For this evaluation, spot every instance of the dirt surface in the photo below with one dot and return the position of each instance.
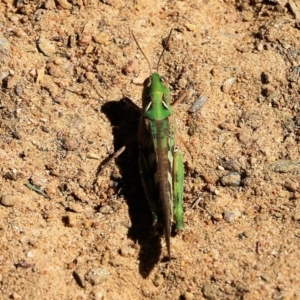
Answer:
(65, 67)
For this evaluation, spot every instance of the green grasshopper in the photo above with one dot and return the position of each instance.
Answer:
(160, 164)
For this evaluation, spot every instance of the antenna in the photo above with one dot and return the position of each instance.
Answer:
(142, 52)
(162, 53)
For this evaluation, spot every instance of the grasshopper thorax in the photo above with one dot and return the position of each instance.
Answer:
(156, 98)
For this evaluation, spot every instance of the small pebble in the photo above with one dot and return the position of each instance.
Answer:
(182, 82)
(80, 194)
(130, 67)
(18, 90)
(247, 16)
(215, 72)
(70, 145)
(89, 49)
(210, 291)
(8, 200)
(138, 80)
(70, 266)
(244, 135)
(51, 189)
(217, 217)
(188, 296)
(231, 179)
(96, 276)
(106, 209)
(260, 47)
(291, 186)
(285, 166)
(90, 76)
(191, 27)
(99, 294)
(84, 40)
(75, 207)
(46, 47)
(101, 38)
(197, 104)
(231, 216)
(227, 85)
(127, 251)
(72, 220)
(64, 4)
(32, 253)
(38, 180)
(16, 296)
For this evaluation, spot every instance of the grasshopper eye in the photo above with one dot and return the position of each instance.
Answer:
(164, 81)
(147, 82)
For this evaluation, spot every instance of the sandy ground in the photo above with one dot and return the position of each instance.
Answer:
(65, 67)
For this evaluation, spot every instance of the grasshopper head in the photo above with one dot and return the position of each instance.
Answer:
(156, 98)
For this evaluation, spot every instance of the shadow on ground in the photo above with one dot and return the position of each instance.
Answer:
(124, 120)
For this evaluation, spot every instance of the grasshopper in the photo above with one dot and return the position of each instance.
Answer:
(160, 163)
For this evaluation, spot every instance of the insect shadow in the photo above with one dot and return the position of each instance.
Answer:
(124, 120)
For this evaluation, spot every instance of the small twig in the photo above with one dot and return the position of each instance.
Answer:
(196, 202)
(107, 161)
